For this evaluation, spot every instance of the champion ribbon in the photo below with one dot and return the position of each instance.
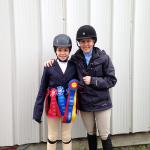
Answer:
(61, 99)
(70, 110)
(53, 111)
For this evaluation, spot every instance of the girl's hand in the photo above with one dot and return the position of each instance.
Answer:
(49, 63)
(87, 80)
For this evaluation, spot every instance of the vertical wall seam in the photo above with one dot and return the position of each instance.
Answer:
(40, 38)
(131, 59)
(111, 44)
(64, 19)
(40, 66)
(90, 12)
(111, 29)
(13, 65)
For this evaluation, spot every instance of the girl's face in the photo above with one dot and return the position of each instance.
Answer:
(62, 53)
(86, 45)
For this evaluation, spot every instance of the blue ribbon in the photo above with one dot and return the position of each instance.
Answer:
(71, 102)
(61, 99)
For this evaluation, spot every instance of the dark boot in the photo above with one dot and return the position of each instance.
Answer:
(92, 141)
(107, 144)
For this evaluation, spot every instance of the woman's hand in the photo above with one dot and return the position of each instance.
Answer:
(49, 63)
(87, 80)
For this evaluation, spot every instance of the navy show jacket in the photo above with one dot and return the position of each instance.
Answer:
(51, 78)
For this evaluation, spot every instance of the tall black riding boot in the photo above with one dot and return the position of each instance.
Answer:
(92, 141)
(107, 144)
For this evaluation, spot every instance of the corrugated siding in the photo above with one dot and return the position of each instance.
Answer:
(27, 28)
(26, 18)
(121, 55)
(6, 102)
(141, 69)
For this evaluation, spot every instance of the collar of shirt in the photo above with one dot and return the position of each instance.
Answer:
(88, 56)
(63, 65)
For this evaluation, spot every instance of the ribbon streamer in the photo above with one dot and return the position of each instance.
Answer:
(54, 111)
(61, 99)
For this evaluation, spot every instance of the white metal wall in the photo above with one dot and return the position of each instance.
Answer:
(27, 28)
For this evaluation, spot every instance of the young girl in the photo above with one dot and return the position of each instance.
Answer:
(60, 104)
(96, 76)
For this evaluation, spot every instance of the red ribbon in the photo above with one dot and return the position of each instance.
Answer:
(52, 111)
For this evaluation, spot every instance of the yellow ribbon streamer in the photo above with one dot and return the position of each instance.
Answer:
(74, 108)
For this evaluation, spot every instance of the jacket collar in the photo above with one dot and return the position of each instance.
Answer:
(59, 71)
(96, 53)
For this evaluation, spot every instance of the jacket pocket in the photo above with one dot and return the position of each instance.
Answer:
(97, 94)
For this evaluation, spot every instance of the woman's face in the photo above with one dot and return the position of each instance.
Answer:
(86, 45)
(62, 53)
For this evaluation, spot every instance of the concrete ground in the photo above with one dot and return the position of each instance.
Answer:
(81, 144)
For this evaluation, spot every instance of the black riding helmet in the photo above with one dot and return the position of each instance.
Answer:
(85, 32)
(62, 40)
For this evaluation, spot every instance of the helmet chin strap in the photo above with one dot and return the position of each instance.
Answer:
(77, 44)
